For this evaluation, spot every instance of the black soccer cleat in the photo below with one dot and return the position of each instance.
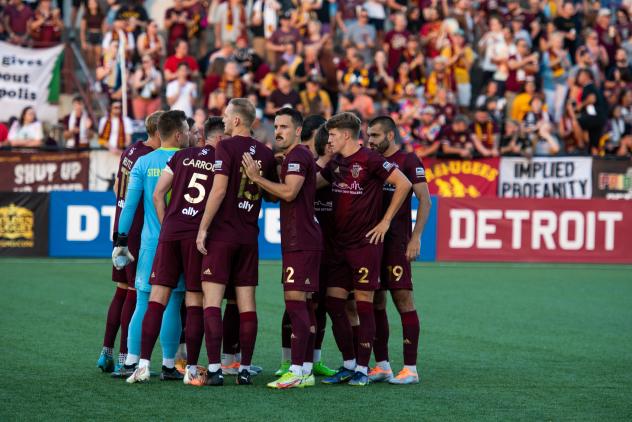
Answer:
(170, 374)
(244, 377)
(215, 379)
(124, 371)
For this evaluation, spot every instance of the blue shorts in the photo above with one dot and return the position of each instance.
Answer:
(143, 271)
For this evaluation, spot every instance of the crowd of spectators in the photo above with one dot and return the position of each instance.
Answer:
(466, 78)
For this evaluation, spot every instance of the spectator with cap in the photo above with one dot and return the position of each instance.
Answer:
(77, 125)
(283, 37)
(180, 56)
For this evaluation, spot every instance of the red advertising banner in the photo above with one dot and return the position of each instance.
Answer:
(534, 230)
(456, 178)
(38, 171)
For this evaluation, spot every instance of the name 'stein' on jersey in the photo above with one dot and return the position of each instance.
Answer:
(237, 218)
(129, 157)
(193, 173)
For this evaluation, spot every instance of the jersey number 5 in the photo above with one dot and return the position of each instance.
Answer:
(193, 184)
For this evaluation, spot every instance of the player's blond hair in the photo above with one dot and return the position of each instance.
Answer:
(245, 109)
(151, 122)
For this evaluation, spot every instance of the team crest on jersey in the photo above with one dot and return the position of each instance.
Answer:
(295, 167)
(355, 170)
(203, 152)
(252, 150)
(419, 171)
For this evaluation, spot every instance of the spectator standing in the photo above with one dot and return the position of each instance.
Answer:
(283, 37)
(460, 58)
(77, 126)
(395, 42)
(263, 23)
(115, 130)
(230, 22)
(181, 93)
(46, 25)
(91, 33)
(150, 42)
(180, 56)
(361, 35)
(16, 20)
(556, 63)
(283, 96)
(590, 112)
(146, 87)
(26, 131)
(177, 23)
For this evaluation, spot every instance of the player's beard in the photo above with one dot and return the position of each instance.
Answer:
(382, 146)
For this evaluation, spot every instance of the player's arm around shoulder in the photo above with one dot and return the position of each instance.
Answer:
(287, 191)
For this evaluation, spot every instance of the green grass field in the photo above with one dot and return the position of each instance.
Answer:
(499, 341)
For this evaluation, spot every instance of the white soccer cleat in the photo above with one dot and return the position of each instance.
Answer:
(139, 375)
(405, 377)
(378, 374)
(198, 380)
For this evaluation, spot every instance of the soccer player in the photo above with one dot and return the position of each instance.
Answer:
(311, 126)
(230, 221)
(357, 175)
(124, 300)
(400, 247)
(173, 131)
(301, 240)
(189, 176)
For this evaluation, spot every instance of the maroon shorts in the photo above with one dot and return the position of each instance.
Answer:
(175, 257)
(127, 274)
(231, 263)
(300, 271)
(359, 269)
(395, 272)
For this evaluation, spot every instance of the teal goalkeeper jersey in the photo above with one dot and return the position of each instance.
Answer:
(144, 177)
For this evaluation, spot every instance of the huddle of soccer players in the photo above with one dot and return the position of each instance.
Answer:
(346, 238)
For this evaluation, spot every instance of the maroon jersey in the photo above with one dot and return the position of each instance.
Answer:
(192, 170)
(413, 169)
(299, 228)
(356, 184)
(129, 157)
(324, 210)
(237, 218)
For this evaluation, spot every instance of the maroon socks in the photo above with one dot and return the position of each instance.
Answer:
(410, 331)
(380, 346)
(152, 321)
(247, 336)
(194, 333)
(213, 333)
(366, 332)
(231, 329)
(341, 326)
(114, 317)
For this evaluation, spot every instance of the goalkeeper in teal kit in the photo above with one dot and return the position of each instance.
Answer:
(173, 130)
